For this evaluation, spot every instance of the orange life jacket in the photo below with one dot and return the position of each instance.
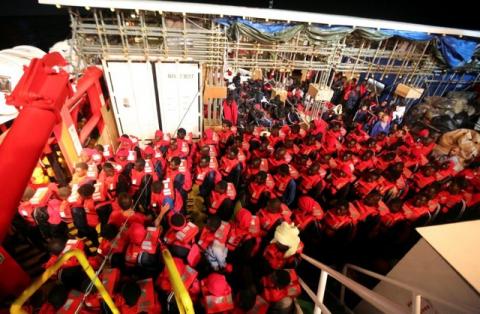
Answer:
(220, 235)
(216, 199)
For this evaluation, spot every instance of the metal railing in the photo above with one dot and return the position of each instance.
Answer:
(375, 299)
(182, 297)
(417, 294)
(16, 307)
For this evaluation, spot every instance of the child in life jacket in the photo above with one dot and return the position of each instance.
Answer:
(221, 200)
(285, 248)
(280, 288)
(216, 294)
(285, 185)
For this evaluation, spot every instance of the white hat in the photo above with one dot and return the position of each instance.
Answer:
(287, 234)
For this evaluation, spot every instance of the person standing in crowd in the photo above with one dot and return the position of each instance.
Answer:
(230, 110)
(381, 126)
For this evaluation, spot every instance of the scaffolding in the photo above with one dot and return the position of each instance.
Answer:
(156, 36)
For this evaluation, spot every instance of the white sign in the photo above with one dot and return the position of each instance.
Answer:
(178, 92)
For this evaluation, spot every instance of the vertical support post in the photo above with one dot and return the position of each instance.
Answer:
(322, 284)
(416, 303)
(342, 288)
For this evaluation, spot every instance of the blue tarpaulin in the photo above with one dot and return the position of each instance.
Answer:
(456, 52)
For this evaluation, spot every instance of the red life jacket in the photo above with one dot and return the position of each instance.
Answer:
(116, 246)
(227, 165)
(339, 182)
(472, 176)
(41, 196)
(216, 304)
(147, 302)
(365, 164)
(238, 233)
(216, 199)
(273, 294)
(172, 174)
(422, 181)
(367, 211)
(276, 258)
(157, 200)
(70, 245)
(413, 213)
(273, 163)
(202, 173)
(74, 299)
(448, 200)
(336, 222)
(109, 185)
(445, 173)
(257, 190)
(390, 219)
(281, 183)
(136, 179)
(25, 209)
(309, 181)
(184, 236)
(149, 245)
(184, 147)
(268, 219)
(187, 273)
(363, 187)
(308, 211)
(220, 235)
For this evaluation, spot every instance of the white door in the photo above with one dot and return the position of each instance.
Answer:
(131, 85)
(179, 96)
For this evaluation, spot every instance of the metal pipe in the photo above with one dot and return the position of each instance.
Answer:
(312, 296)
(322, 284)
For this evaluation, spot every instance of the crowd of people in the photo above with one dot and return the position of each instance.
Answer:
(237, 207)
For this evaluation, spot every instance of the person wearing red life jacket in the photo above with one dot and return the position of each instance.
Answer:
(275, 137)
(161, 141)
(137, 297)
(244, 237)
(310, 179)
(206, 176)
(285, 185)
(25, 208)
(189, 277)
(279, 158)
(254, 166)
(154, 162)
(416, 210)
(368, 183)
(180, 238)
(291, 148)
(109, 181)
(386, 159)
(398, 175)
(273, 215)
(84, 214)
(179, 178)
(230, 167)
(80, 175)
(174, 150)
(216, 294)
(139, 183)
(285, 248)
(113, 244)
(162, 196)
(366, 162)
(122, 212)
(382, 139)
(297, 133)
(142, 250)
(210, 138)
(371, 144)
(248, 301)
(338, 221)
(260, 190)
(309, 212)
(221, 200)
(280, 288)
(226, 135)
(184, 141)
(310, 147)
(358, 134)
(424, 177)
(394, 216)
(318, 126)
(230, 110)
(370, 209)
(261, 150)
(121, 164)
(214, 230)
(346, 161)
(449, 198)
(445, 171)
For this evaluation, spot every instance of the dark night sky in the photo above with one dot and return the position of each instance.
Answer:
(27, 22)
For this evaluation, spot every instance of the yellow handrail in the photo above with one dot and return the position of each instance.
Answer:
(16, 307)
(182, 297)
